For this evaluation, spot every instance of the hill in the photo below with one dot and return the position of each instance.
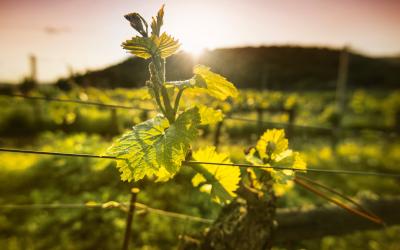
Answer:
(274, 67)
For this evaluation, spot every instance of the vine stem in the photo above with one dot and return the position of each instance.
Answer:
(177, 100)
(158, 100)
(160, 68)
(167, 105)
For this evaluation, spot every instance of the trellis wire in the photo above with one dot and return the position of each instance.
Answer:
(280, 124)
(99, 104)
(105, 205)
(316, 170)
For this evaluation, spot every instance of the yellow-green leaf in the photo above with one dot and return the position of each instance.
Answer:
(140, 46)
(218, 180)
(214, 84)
(209, 115)
(156, 148)
(272, 143)
(272, 151)
(146, 47)
(166, 45)
(157, 22)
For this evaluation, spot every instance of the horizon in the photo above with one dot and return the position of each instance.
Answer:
(90, 40)
(195, 55)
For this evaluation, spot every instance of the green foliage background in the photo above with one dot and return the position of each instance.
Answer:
(74, 128)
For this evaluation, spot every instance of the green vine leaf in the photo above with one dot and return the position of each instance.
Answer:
(156, 148)
(208, 82)
(272, 150)
(146, 47)
(140, 46)
(209, 116)
(272, 143)
(166, 45)
(157, 22)
(220, 182)
(213, 84)
(138, 23)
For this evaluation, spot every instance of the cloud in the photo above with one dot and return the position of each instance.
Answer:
(51, 30)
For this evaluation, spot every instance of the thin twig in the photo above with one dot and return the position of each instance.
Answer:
(333, 191)
(338, 203)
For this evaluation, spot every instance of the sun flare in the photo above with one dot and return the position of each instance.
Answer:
(192, 48)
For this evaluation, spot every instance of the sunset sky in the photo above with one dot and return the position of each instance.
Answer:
(86, 34)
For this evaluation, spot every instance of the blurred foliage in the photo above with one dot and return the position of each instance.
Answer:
(48, 179)
(64, 127)
(365, 110)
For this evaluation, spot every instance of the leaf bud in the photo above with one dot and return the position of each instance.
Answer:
(138, 23)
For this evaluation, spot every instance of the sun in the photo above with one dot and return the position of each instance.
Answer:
(193, 48)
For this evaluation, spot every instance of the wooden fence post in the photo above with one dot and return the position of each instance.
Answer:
(340, 94)
(114, 124)
(129, 218)
(292, 117)
(260, 113)
(217, 134)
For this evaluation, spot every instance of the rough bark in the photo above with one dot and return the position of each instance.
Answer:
(243, 225)
(246, 223)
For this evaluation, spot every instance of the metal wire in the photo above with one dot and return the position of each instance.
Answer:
(108, 205)
(51, 99)
(315, 170)
(48, 206)
(279, 124)
(99, 104)
(23, 151)
(236, 118)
